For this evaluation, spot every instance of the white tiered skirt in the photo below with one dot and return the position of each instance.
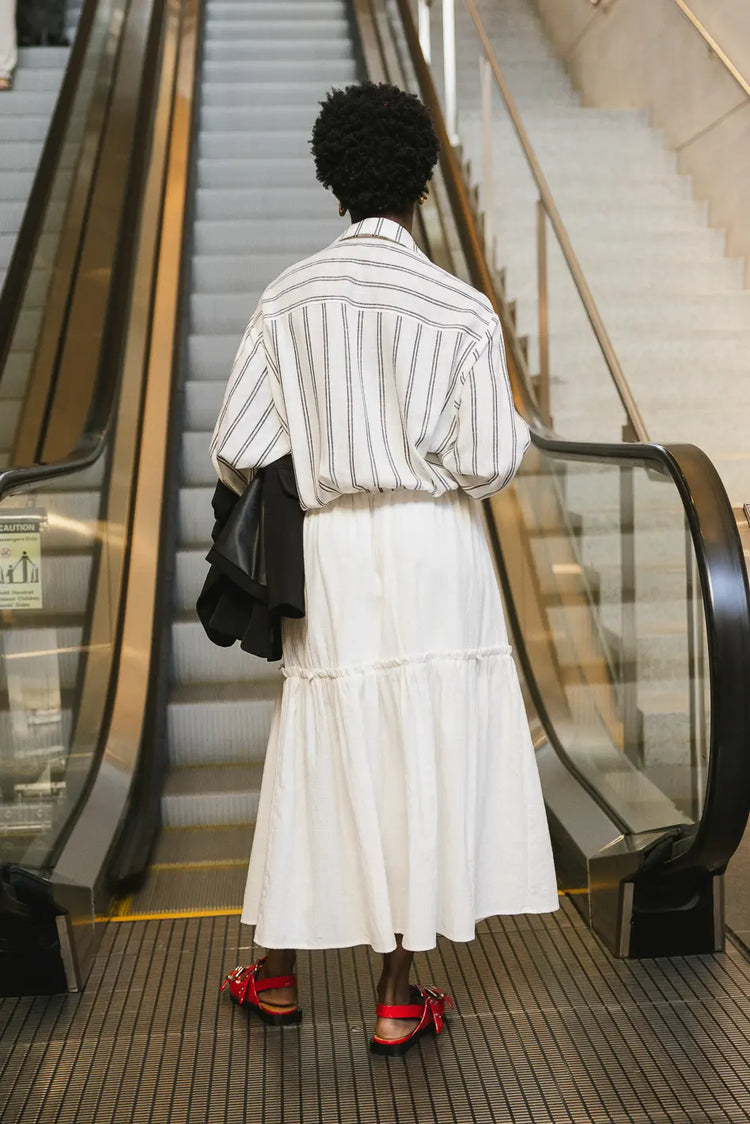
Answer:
(400, 792)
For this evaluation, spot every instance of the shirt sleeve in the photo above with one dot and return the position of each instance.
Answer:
(489, 436)
(252, 429)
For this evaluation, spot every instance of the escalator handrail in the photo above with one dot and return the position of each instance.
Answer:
(88, 450)
(13, 290)
(713, 530)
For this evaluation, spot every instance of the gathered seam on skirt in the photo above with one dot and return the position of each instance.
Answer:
(297, 672)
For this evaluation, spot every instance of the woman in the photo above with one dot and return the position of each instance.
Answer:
(400, 796)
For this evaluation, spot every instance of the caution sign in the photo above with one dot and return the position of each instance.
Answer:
(21, 560)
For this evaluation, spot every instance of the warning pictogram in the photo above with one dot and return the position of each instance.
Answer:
(21, 561)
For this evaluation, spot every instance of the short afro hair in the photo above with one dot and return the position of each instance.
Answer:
(375, 147)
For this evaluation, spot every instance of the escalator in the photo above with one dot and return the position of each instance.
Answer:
(131, 752)
(264, 67)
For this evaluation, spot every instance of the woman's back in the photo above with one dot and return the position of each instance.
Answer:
(383, 372)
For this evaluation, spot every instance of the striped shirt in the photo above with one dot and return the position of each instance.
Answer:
(377, 370)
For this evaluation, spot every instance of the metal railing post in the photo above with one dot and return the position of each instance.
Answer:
(423, 13)
(488, 190)
(449, 69)
(543, 389)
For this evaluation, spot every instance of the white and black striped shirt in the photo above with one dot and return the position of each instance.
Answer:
(377, 370)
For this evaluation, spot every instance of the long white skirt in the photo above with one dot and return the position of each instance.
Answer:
(400, 792)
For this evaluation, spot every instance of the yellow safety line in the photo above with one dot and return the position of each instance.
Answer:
(202, 864)
(121, 913)
(171, 915)
(123, 905)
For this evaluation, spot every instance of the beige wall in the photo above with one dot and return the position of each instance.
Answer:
(645, 54)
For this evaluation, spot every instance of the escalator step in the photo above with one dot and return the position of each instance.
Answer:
(196, 660)
(258, 235)
(185, 891)
(202, 795)
(195, 845)
(210, 723)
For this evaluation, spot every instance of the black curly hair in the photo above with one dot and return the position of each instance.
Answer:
(375, 147)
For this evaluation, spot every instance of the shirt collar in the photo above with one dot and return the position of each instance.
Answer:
(376, 227)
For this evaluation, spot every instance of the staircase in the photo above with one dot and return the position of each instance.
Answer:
(679, 318)
(671, 300)
(257, 208)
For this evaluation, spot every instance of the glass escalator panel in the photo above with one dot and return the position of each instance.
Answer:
(32, 316)
(604, 579)
(58, 559)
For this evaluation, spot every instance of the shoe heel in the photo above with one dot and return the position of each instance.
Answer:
(287, 1018)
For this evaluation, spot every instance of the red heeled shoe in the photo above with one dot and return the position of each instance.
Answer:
(428, 1006)
(244, 985)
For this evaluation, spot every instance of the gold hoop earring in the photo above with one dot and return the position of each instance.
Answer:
(342, 210)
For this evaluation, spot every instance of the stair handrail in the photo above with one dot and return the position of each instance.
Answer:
(721, 54)
(636, 429)
(713, 45)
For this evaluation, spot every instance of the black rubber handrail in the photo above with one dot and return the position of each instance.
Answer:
(22, 258)
(713, 530)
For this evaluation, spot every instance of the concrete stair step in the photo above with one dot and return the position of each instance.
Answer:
(667, 315)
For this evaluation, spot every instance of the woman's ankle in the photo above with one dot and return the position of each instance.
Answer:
(393, 993)
(278, 962)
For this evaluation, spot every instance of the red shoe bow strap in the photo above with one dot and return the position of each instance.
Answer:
(242, 980)
(430, 1009)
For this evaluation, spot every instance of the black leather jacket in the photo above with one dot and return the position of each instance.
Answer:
(257, 569)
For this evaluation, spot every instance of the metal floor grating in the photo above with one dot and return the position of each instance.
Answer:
(547, 1028)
